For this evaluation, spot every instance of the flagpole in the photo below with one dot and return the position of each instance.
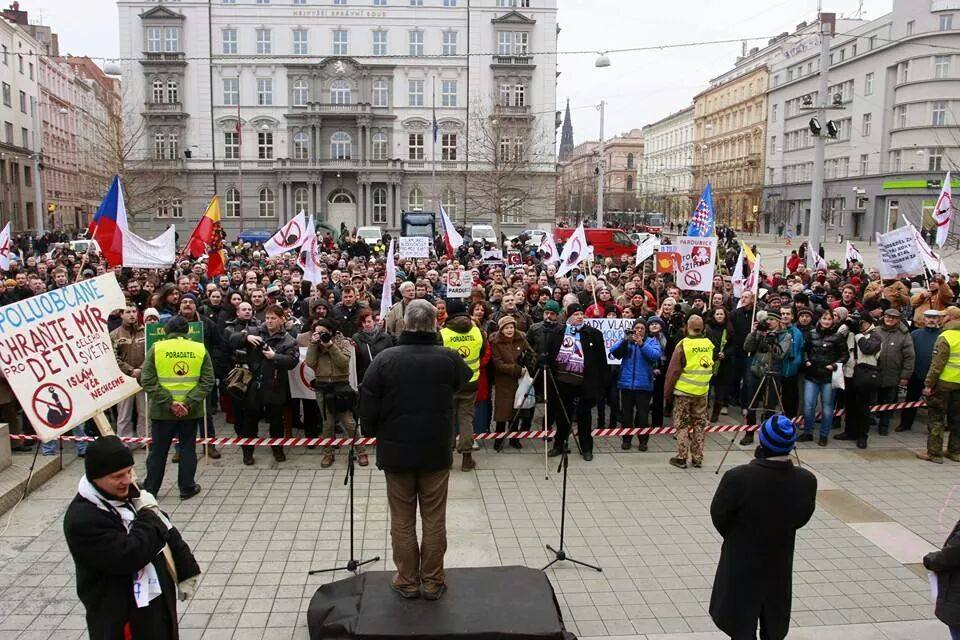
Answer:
(433, 147)
(239, 165)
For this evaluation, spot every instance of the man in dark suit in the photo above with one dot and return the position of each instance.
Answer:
(579, 362)
(758, 509)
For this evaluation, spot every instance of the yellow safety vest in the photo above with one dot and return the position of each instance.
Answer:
(468, 345)
(695, 378)
(951, 370)
(178, 363)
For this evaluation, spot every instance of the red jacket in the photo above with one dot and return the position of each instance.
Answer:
(483, 382)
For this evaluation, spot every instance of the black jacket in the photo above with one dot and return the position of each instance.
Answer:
(346, 318)
(946, 564)
(368, 346)
(822, 348)
(596, 371)
(740, 318)
(758, 508)
(539, 335)
(406, 401)
(270, 384)
(107, 556)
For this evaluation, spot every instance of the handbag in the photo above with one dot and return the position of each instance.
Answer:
(238, 380)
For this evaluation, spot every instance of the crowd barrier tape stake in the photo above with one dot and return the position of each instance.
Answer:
(511, 435)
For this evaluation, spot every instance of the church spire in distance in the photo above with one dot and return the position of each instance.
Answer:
(566, 137)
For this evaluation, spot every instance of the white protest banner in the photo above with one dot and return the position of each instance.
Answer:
(695, 269)
(301, 379)
(492, 256)
(56, 354)
(414, 247)
(459, 284)
(613, 330)
(899, 255)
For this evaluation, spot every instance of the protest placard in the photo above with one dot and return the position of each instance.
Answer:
(492, 256)
(459, 284)
(301, 379)
(667, 258)
(697, 262)
(899, 255)
(57, 356)
(414, 247)
(613, 330)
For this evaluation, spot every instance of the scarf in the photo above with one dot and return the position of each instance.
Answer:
(570, 356)
(146, 583)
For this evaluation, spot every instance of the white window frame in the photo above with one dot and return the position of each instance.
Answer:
(415, 147)
(341, 146)
(265, 145)
(415, 93)
(231, 92)
(379, 147)
(415, 41)
(232, 201)
(941, 66)
(341, 42)
(341, 92)
(866, 125)
(868, 84)
(231, 145)
(264, 41)
(448, 93)
(171, 39)
(381, 93)
(415, 199)
(266, 203)
(300, 42)
(380, 39)
(301, 92)
(301, 199)
(450, 43)
(379, 200)
(448, 147)
(154, 40)
(230, 41)
(301, 145)
(938, 113)
(264, 92)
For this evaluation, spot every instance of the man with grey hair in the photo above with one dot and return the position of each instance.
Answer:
(406, 402)
(394, 320)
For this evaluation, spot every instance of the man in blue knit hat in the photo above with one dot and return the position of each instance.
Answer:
(758, 509)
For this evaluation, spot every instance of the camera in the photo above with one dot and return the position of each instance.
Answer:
(326, 337)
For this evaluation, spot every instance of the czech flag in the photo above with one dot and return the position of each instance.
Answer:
(119, 245)
(451, 237)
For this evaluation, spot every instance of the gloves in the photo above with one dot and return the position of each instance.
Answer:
(145, 500)
(188, 587)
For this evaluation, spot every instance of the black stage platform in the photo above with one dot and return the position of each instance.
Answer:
(489, 603)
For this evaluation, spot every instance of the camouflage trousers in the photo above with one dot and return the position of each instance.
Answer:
(689, 418)
(940, 404)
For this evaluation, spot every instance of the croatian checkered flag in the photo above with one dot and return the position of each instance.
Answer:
(701, 223)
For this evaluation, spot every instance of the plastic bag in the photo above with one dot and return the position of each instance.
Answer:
(837, 381)
(526, 396)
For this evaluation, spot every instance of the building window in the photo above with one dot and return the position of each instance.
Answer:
(172, 142)
(340, 92)
(415, 93)
(449, 43)
(379, 42)
(301, 93)
(896, 160)
(173, 94)
(341, 146)
(935, 159)
(946, 22)
(229, 38)
(267, 203)
(630, 160)
(300, 199)
(941, 66)
(6, 55)
(379, 198)
(938, 113)
(416, 3)
(299, 42)
(157, 92)
(416, 42)
(513, 43)
(169, 208)
(265, 145)
(379, 146)
(868, 84)
(415, 199)
(154, 42)
(867, 124)
(505, 92)
(264, 41)
(520, 95)
(415, 146)
(629, 183)
(903, 72)
(379, 3)
(300, 146)
(264, 91)
(231, 91)
(448, 93)
(449, 3)
(864, 164)
(232, 200)
(339, 1)
(159, 144)
(773, 144)
(381, 93)
(171, 39)
(449, 201)
(900, 116)
(231, 145)
(340, 42)
(448, 146)
(910, 26)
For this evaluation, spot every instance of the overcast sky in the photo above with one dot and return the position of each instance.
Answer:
(639, 88)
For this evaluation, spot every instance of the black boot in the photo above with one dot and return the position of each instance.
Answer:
(642, 444)
(498, 445)
(625, 443)
(247, 455)
(278, 454)
(747, 438)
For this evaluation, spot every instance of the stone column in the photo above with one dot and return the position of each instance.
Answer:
(368, 205)
(391, 214)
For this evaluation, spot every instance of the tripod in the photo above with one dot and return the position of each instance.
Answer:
(353, 565)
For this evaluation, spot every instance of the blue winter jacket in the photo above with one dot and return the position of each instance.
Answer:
(637, 363)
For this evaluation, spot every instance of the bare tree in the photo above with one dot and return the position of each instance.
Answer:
(510, 161)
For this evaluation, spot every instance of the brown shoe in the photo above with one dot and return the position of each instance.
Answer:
(363, 460)
(327, 460)
(212, 452)
(679, 463)
(929, 458)
(468, 464)
(696, 464)
(434, 594)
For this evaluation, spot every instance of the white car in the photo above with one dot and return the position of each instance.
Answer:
(370, 235)
(483, 233)
(534, 236)
(83, 246)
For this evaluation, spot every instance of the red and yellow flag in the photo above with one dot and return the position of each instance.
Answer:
(208, 230)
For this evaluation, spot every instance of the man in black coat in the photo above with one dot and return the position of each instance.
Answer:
(406, 401)
(117, 536)
(758, 509)
(579, 362)
(946, 564)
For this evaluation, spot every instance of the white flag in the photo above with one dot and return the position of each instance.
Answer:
(853, 254)
(943, 212)
(309, 257)
(574, 251)
(289, 237)
(158, 253)
(931, 261)
(646, 248)
(739, 277)
(451, 236)
(752, 283)
(5, 248)
(815, 260)
(548, 248)
(386, 297)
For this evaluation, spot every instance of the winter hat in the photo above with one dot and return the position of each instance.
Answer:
(151, 313)
(106, 455)
(455, 307)
(176, 324)
(656, 319)
(574, 308)
(778, 435)
(189, 296)
(505, 320)
(552, 305)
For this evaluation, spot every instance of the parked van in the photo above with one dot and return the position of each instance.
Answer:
(608, 243)
(483, 233)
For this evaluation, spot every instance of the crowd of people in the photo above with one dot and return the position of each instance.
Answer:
(814, 341)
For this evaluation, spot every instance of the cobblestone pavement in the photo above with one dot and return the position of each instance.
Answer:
(257, 530)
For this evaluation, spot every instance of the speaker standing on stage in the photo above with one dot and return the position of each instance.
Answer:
(407, 403)
(758, 508)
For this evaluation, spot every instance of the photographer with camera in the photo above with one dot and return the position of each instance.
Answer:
(768, 344)
(329, 357)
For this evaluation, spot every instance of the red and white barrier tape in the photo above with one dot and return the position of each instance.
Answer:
(512, 435)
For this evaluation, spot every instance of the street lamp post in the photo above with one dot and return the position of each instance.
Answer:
(602, 62)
